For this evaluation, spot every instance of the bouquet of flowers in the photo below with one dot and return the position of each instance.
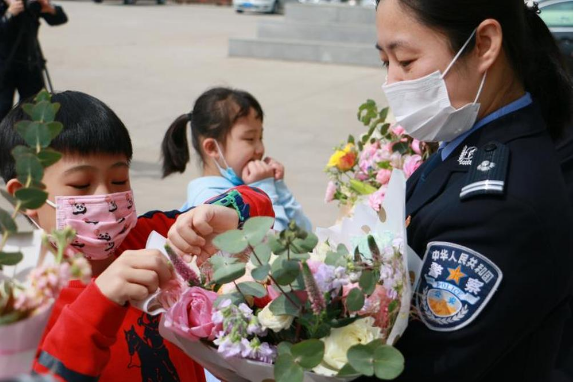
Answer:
(294, 306)
(361, 168)
(29, 286)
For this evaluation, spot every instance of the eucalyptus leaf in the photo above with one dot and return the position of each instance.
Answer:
(368, 282)
(283, 306)
(389, 363)
(284, 348)
(10, 258)
(44, 111)
(28, 108)
(255, 229)
(401, 147)
(228, 273)
(54, 128)
(347, 371)
(276, 246)
(233, 241)
(28, 166)
(305, 245)
(355, 300)
(309, 353)
(48, 157)
(383, 113)
(361, 358)
(251, 288)
(36, 134)
(261, 273)
(31, 198)
(285, 271)
(263, 252)
(7, 224)
(44, 95)
(22, 150)
(286, 370)
(235, 297)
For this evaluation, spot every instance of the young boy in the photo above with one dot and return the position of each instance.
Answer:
(93, 333)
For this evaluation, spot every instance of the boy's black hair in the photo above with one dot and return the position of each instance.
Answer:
(90, 127)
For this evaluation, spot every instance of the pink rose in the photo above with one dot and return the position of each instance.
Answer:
(191, 315)
(397, 160)
(416, 146)
(398, 130)
(383, 176)
(411, 164)
(273, 294)
(330, 192)
(377, 306)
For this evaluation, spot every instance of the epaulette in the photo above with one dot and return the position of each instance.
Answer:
(487, 174)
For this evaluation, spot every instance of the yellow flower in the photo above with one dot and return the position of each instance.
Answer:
(340, 340)
(343, 159)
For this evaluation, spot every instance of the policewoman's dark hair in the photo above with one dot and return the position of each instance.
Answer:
(90, 127)
(527, 41)
(213, 115)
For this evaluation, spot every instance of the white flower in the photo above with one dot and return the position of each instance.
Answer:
(270, 321)
(319, 254)
(340, 340)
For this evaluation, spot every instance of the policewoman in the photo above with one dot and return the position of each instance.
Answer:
(490, 214)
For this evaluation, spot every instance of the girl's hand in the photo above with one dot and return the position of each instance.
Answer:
(134, 276)
(193, 231)
(278, 168)
(257, 170)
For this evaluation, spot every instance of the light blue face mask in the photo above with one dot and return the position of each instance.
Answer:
(228, 173)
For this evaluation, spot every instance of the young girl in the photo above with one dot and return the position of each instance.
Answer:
(227, 134)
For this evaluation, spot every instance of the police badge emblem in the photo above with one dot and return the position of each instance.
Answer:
(455, 285)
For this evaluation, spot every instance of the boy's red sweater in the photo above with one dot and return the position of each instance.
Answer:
(90, 338)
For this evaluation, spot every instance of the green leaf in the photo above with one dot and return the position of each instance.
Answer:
(393, 305)
(284, 348)
(355, 300)
(31, 198)
(304, 245)
(28, 108)
(11, 317)
(226, 269)
(361, 188)
(10, 258)
(286, 370)
(22, 150)
(261, 273)
(283, 306)
(233, 241)
(347, 371)
(54, 128)
(389, 363)
(255, 229)
(276, 246)
(383, 113)
(8, 196)
(263, 252)
(361, 358)
(401, 147)
(251, 288)
(344, 321)
(285, 271)
(235, 297)
(368, 282)
(28, 166)
(44, 111)
(48, 157)
(351, 139)
(34, 133)
(43, 95)
(308, 354)
(7, 224)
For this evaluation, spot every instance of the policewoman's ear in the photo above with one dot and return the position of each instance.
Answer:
(14, 185)
(488, 43)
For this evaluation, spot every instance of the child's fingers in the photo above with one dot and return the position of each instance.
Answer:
(136, 292)
(201, 220)
(143, 277)
(182, 247)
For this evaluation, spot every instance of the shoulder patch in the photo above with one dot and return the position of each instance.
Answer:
(455, 285)
(487, 174)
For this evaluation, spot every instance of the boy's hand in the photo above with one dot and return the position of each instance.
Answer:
(134, 276)
(255, 171)
(193, 231)
(278, 168)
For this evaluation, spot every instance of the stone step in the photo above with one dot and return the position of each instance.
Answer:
(312, 51)
(330, 13)
(305, 31)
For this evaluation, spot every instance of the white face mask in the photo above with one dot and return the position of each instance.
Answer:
(422, 106)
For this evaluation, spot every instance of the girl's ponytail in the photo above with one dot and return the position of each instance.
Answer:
(174, 149)
(546, 77)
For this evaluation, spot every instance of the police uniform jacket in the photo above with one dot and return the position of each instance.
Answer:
(493, 225)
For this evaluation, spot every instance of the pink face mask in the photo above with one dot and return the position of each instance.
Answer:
(102, 222)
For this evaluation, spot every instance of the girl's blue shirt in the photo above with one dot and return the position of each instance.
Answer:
(285, 206)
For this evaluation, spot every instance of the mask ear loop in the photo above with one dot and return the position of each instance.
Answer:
(480, 87)
(221, 156)
(459, 53)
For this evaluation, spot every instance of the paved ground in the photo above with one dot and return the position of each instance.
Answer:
(150, 62)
